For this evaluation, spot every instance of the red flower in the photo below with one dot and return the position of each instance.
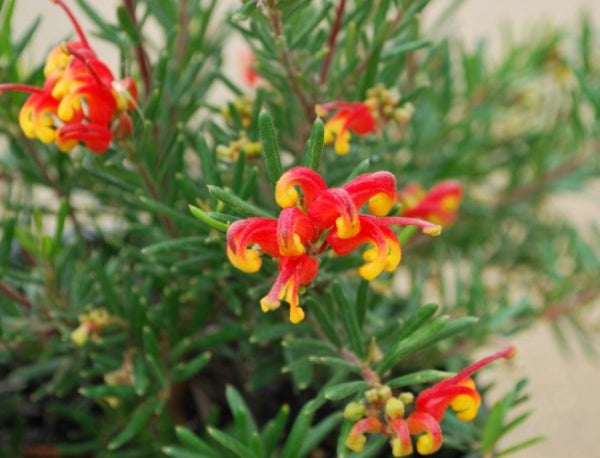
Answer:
(351, 117)
(80, 100)
(313, 218)
(459, 393)
(384, 414)
(438, 205)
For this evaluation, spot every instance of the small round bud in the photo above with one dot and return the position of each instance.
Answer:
(406, 397)
(354, 411)
(394, 408)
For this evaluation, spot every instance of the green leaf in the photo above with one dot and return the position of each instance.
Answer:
(192, 441)
(350, 320)
(273, 431)
(231, 443)
(314, 147)
(271, 152)
(174, 245)
(208, 220)
(236, 203)
(417, 320)
(521, 446)
(136, 423)
(344, 390)
(435, 331)
(244, 421)
(186, 370)
(424, 376)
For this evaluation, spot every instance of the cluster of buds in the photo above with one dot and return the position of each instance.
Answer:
(314, 218)
(362, 118)
(244, 108)
(231, 152)
(382, 413)
(80, 100)
(438, 205)
(91, 325)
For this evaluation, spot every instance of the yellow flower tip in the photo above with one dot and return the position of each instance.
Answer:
(354, 411)
(394, 255)
(342, 144)
(381, 204)
(394, 408)
(296, 314)
(267, 305)
(398, 450)
(347, 227)
(433, 231)
(248, 263)
(465, 406)
(511, 353)
(370, 270)
(81, 335)
(286, 196)
(356, 443)
(426, 444)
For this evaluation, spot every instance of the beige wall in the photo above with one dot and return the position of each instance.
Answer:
(564, 389)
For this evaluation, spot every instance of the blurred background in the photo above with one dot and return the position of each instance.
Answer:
(563, 385)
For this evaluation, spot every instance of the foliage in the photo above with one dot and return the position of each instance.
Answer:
(181, 361)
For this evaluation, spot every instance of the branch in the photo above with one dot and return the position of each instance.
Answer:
(15, 295)
(538, 185)
(335, 30)
(571, 304)
(140, 51)
(307, 106)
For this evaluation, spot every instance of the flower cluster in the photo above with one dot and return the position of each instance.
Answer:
(381, 413)
(361, 118)
(80, 100)
(438, 205)
(91, 325)
(315, 217)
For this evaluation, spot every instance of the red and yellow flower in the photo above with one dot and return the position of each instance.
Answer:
(80, 101)
(438, 205)
(361, 118)
(381, 413)
(315, 217)
(353, 117)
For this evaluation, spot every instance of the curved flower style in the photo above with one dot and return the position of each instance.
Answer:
(315, 217)
(385, 414)
(80, 101)
(438, 205)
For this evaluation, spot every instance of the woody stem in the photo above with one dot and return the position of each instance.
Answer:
(286, 63)
(140, 51)
(335, 30)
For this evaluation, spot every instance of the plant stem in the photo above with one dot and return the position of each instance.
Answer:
(533, 187)
(335, 30)
(15, 295)
(307, 106)
(153, 191)
(571, 304)
(140, 51)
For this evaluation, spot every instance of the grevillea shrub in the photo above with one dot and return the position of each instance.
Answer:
(296, 254)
